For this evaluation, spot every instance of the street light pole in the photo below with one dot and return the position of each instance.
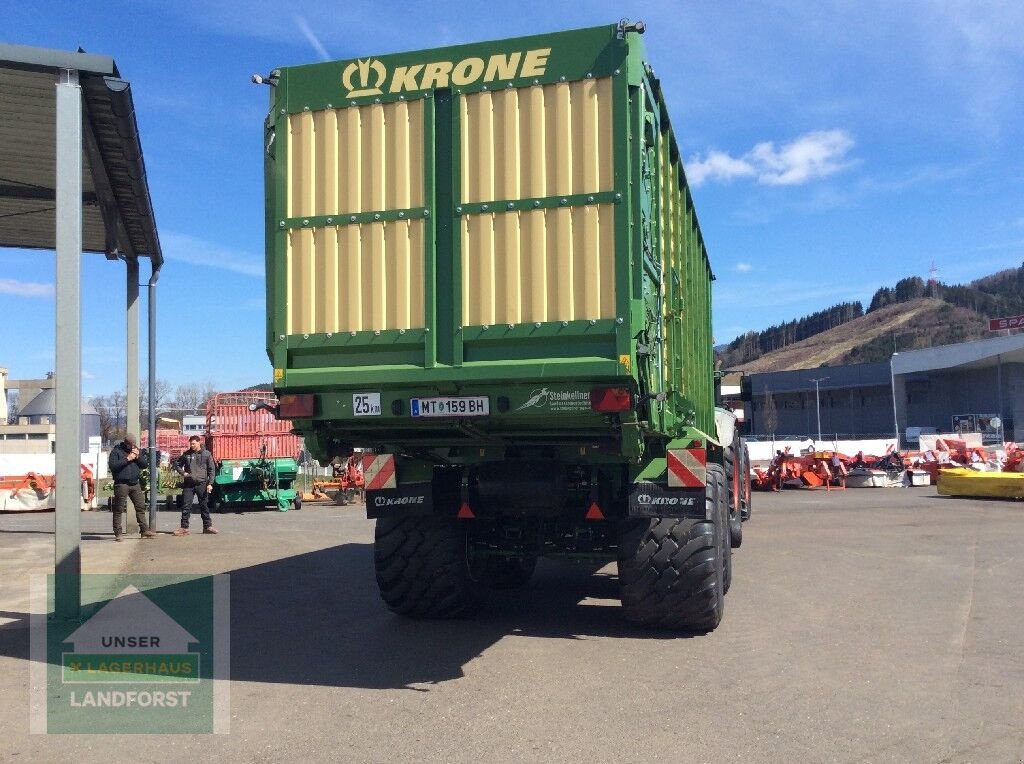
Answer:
(817, 401)
(895, 415)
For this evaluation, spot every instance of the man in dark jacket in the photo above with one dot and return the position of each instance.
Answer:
(126, 463)
(197, 468)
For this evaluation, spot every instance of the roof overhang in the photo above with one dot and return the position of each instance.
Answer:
(979, 354)
(117, 212)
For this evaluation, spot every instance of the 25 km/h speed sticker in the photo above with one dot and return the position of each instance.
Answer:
(366, 404)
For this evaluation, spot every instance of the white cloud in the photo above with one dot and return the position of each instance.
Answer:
(717, 166)
(186, 248)
(744, 267)
(811, 156)
(313, 40)
(26, 288)
(88, 374)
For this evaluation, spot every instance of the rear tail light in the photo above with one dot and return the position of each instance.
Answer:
(609, 399)
(295, 406)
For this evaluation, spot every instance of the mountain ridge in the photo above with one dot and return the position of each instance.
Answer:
(913, 314)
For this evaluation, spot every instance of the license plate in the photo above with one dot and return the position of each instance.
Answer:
(470, 405)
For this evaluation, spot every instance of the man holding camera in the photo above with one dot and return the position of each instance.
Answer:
(126, 464)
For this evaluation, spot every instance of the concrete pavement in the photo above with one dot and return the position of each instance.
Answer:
(871, 625)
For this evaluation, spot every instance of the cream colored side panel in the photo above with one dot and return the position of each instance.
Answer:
(538, 141)
(397, 190)
(546, 264)
(325, 280)
(417, 272)
(605, 136)
(350, 197)
(301, 165)
(396, 267)
(506, 128)
(356, 278)
(325, 158)
(301, 255)
(508, 266)
(376, 289)
(478, 276)
(560, 264)
(587, 254)
(533, 128)
(416, 162)
(358, 159)
(561, 139)
(375, 168)
(535, 277)
(350, 255)
(539, 265)
(606, 258)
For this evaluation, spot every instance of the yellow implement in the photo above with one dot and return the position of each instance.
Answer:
(995, 485)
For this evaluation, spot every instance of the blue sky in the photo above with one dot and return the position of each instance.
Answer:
(834, 146)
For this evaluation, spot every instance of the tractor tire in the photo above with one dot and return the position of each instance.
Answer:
(672, 570)
(722, 496)
(509, 572)
(734, 477)
(745, 492)
(297, 503)
(423, 569)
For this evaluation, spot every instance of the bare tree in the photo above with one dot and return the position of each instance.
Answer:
(191, 398)
(112, 410)
(13, 406)
(161, 398)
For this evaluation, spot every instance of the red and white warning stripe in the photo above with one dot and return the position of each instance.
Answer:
(687, 467)
(379, 472)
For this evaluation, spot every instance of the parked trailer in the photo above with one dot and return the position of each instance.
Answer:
(168, 441)
(255, 452)
(484, 265)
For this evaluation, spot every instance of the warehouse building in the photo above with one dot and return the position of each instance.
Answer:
(967, 387)
(853, 402)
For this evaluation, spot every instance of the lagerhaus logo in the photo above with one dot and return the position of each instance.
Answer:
(369, 77)
(154, 658)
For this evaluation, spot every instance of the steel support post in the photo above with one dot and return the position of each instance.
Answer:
(154, 471)
(131, 406)
(68, 537)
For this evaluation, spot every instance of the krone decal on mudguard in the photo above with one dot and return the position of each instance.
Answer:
(406, 500)
(656, 500)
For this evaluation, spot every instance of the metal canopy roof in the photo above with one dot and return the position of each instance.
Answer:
(117, 214)
(978, 354)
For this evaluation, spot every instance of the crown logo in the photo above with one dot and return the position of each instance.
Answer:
(364, 69)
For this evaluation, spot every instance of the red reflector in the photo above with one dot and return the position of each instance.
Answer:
(594, 513)
(295, 406)
(465, 512)
(610, 399)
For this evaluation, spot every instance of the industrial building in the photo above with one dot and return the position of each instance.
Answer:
(853, 402)
(34, 427)
(967, 387)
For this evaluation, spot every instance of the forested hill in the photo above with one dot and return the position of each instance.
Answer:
(911, 314)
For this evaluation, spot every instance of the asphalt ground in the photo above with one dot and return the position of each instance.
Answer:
(870, 625)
